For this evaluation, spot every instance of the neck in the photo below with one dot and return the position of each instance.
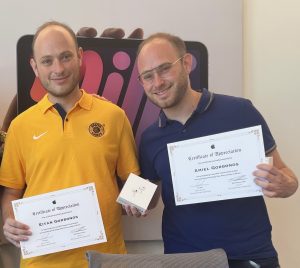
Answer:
(67, 102)
(182, 111)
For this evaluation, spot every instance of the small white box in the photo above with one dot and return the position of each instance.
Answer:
(137, 192)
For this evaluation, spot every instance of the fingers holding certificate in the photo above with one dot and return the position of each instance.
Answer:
(216, 167)
(16, 231)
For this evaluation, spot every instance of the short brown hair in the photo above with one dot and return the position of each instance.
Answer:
(53, 23)
(174, 40)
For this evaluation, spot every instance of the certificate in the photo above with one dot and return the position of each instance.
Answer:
(216, 167)
(60, 220)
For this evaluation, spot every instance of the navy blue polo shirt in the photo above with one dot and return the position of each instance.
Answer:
(240, 226)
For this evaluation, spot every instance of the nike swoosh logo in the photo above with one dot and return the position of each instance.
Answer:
(39, 136)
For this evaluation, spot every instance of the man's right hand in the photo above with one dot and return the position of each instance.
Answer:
(116, 33)
(15, 231)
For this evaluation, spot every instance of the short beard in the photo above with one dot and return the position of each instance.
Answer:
(180, 89)
(74, 84)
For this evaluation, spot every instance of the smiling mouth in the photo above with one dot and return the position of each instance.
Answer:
(59, 78)
(162, 91)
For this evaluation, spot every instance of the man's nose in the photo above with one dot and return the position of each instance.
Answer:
(58, 66)
(157, 80)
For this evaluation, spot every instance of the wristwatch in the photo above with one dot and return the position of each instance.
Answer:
(2, 136)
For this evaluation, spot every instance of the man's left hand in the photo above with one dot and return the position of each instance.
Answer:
(274, 182)
(133, 211)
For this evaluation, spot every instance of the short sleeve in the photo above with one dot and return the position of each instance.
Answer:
(12, 173)
(254, 117)
(127, 159)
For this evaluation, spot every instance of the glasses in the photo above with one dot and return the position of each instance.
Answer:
(163, 70)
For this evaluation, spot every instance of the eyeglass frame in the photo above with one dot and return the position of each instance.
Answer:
(158, 69)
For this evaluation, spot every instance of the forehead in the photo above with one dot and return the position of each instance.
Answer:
(154, 53)
(53, 40)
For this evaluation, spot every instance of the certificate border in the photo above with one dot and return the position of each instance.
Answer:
(101, 236)
(173, 147)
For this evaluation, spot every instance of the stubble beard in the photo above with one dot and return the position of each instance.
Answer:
(178, 91)
(64, 90)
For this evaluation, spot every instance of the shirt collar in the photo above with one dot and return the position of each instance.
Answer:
(84, 102)
(204, 103)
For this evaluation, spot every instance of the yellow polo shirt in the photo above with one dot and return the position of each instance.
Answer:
(43, 153)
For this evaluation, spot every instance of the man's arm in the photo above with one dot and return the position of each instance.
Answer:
(276, 180)
(10, 114)
(13, 230)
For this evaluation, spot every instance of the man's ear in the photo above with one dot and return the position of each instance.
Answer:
(34, 67)
(188, 62)
(80, 55)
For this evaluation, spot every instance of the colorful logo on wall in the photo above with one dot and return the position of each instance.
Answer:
(109, 69)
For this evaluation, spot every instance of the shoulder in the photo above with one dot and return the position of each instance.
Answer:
(232, 106)
(106, 105)
(241, 113)
(26, 116)
(109, 113)
(226, 100)
(108, 110)
(236, 107)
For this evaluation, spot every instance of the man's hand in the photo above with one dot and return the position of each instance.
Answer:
(116, 33)
(276, 180)
(15, 231)
(133, 211)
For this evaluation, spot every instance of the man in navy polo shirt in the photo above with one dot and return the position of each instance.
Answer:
(240, 226)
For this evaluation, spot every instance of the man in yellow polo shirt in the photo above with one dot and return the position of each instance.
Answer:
(69, 138)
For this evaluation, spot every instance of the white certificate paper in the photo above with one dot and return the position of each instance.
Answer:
(216, 167)
(60, 220)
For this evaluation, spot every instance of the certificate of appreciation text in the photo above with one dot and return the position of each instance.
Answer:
(216, 167)
(60, 220)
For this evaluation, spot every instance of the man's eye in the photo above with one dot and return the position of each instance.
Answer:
(46, 62)
(164, 68)
(147, 76)
(66, 57)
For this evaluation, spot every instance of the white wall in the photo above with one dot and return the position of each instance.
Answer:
(272, 59)
(272, 82)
